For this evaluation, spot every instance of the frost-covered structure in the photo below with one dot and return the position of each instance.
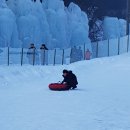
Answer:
(114, 27)
(8, 27)
(23, 22)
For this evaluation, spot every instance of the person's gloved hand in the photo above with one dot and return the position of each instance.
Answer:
(59, 82)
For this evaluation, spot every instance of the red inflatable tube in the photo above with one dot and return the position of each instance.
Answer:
(58, 87)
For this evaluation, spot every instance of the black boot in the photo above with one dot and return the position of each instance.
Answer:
(74, 87)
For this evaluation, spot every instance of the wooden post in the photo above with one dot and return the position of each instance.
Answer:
(22, 57)
(118, 46)
(33, 56)
(46, 57)
(128, 40)
(63, 57)
(97, 50)
(43, 57)
(70, 56)
(108, 48)
(54, 57)
(84, 51)
(8, 56)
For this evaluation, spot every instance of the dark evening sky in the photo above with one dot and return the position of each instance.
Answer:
(106, 7)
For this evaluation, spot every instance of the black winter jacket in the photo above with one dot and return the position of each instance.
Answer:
(70, 79)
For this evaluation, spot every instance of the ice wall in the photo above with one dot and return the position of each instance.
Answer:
(122, 26)
(114, 27)
(3, 4)
(78, 25)
(8, 27)
(50, 22)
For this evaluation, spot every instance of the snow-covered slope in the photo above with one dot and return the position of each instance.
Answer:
(100, 103)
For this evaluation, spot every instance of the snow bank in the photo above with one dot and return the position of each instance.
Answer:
(101, 101)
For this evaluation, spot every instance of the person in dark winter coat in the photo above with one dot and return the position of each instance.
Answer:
(88, 54)
(43, 47)
(70, 79)
(73, 57)
(32, 55)
(79, 54)
(44, 54)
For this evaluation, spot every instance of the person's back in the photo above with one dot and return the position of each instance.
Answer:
(70, 79)
(73, 79)
(43, 47)
(88, 55)
(80, 54)
(31, 49)
(44, 54)
(32, 55)
(74, 54)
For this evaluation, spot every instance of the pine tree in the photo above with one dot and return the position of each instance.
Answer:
(95, 24)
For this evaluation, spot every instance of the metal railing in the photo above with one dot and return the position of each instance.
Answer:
(22, 56)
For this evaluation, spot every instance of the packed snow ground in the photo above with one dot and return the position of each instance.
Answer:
(102, 101)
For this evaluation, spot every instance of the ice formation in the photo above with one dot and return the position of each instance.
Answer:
(23, 22)
(114, 27)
